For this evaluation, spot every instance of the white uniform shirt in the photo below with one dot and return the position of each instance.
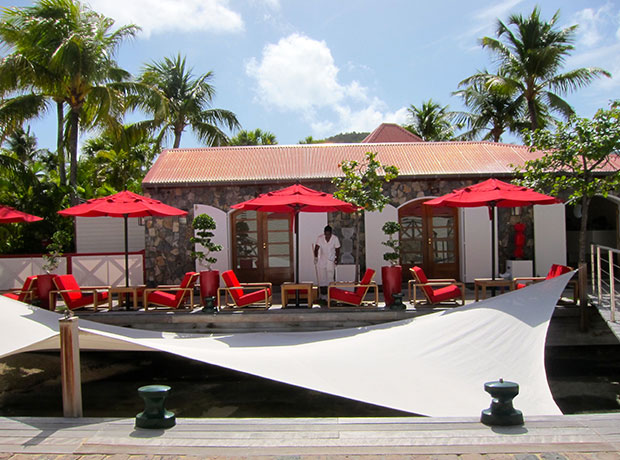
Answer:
(327, 250)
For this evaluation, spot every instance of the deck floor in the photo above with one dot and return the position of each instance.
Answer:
(553, 437)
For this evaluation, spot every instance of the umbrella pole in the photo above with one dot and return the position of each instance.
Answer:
(297, 259)
(125, 218)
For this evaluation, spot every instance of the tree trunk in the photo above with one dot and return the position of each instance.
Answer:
(357, 246)
(74, 122)
(60, 143)
(584, 322)
(531, 110)
(177, 140)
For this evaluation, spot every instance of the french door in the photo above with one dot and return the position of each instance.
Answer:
(429, 239)
(262, 248)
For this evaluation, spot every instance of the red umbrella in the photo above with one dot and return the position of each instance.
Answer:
(123, 204)
(492, 193)
(9, 215)
(295, 199)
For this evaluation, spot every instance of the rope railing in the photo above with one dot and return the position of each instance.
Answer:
(605, 276)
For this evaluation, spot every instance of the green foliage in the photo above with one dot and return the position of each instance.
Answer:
(204, 224)
(256, 137)
(362, 184)
(390, 228)
(431, 122)
(580, 158)
(60, 241)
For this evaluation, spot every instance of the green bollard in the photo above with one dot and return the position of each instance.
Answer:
(501, 411)
(209, 305)
(155, 415)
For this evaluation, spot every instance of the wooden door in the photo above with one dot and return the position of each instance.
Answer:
(262, 248)
(429, 239)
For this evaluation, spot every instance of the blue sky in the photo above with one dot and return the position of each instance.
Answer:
(319, 67)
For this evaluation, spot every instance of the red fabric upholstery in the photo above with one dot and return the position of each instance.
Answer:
(555, 270)
(440, 294)
(21, 295)
(353, 297)
(173, 299)
(76, 299)
(239, 296)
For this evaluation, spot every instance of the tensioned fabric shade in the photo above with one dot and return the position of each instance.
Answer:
(434, 365)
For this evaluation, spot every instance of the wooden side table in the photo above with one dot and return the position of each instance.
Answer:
(306, 291)
(122, 291)
(484, 283)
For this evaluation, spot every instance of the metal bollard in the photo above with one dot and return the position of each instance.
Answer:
(155, 415)
(398, 304)
(501, 411)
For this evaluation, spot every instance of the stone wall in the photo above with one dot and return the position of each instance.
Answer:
(167, 243)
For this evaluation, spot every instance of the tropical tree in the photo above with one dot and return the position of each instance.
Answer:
(492, 112)
(362, 186)
(186, 101)
(431, 122)
(256, 137)
(531, 57)
(69, 51)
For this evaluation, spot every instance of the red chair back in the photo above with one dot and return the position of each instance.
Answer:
(231, 281)
(423, 279)
(29, 285)
(557, 270)
(188, 281)
(366, 279)
(68, 283)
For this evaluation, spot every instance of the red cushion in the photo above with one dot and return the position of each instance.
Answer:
(68, 283)
(446, 293)
(29, 285)
(520, 285)
(11, 295)
(423, 279)
(231, 280)
(252, 297)
(557, 270)
(342, 295)
(88, 300)
(188, 281)
(167, 299)
(367, 278)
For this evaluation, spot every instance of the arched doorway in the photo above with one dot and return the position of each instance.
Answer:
(429, 239)
(262, 246)
(602, 226)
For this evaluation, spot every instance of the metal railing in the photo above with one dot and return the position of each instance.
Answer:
(605, 277)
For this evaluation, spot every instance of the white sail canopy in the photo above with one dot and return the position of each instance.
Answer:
(432, 365)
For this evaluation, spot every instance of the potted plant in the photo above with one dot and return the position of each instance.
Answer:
(392, 275)
(55, 248)
(209, 279)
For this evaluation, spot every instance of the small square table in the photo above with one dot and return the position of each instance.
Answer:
(304, 290)
(485, 283)
(122, 291)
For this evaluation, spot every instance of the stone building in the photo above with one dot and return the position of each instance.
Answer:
(258, 246)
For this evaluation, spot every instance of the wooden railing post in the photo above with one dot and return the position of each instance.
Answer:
(599, 284)
(612, 287)
(70, 367)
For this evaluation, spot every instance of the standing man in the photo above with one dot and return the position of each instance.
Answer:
(326, 257)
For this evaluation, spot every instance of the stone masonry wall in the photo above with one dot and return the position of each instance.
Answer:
(167, 243)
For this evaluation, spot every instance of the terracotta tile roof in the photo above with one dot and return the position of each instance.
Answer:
(391, 132)
(245, 164)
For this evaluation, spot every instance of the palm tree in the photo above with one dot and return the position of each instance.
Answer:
(530, 58)
(491, 111)
(186, 102)
(256, 137)
(68, 50)
(431, 122)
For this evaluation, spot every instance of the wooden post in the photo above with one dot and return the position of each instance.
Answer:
(70, 367)
(584, 322)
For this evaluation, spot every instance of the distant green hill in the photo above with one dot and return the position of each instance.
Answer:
(347, 138)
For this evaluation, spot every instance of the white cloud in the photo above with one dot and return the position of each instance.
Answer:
(483, 21)
(155, 16)
(592, 24)
(298, 74)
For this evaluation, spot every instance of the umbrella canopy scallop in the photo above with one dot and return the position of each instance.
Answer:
(122, 204)
(9, 215)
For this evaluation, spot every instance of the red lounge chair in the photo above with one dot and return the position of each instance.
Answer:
(555, 270)
(356, 297)
(452, 289)
(261, 293)
(172, 296)
(26, 293)
(73, 294)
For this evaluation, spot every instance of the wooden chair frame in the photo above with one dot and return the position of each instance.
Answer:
(169, 287)
(94, 289)
(266, 287)
(350, 284)
(538, 279)
(414, 284)
(28, 293)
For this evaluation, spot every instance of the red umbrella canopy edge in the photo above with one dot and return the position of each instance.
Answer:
(492, 192)
(9, 215)
(296, 198)
(122, 204)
